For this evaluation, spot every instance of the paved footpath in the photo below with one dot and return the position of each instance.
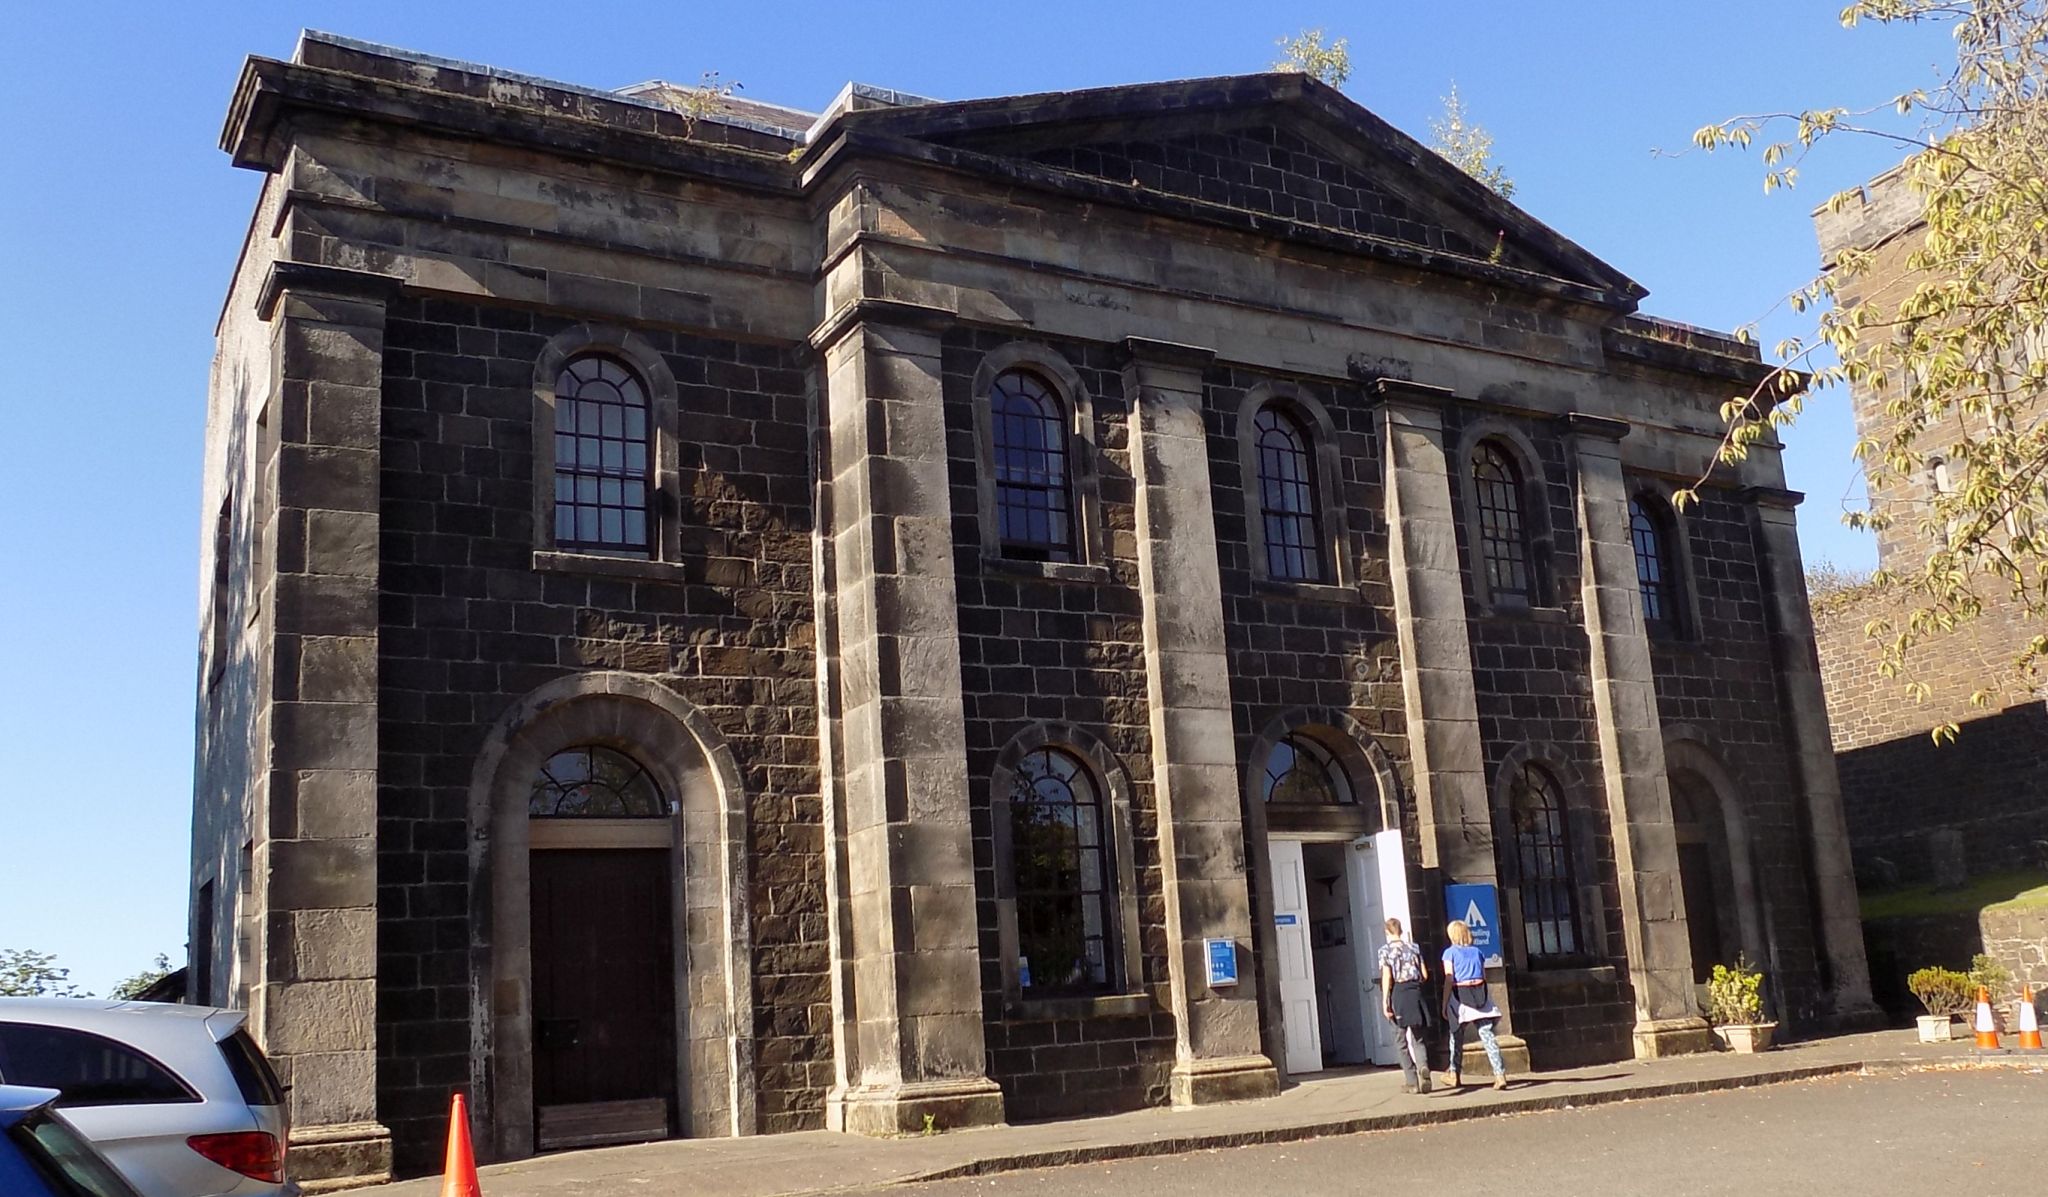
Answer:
(1346, 1103)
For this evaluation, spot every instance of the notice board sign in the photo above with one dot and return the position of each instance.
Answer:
(1479, 907)
(1222, 956)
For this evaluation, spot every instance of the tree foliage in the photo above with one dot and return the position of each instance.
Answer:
(1955, 344)
(1463, 143)
(25, 972)
(134, 985)
(1308, 53)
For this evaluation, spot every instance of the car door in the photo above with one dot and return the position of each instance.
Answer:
(132, 1106)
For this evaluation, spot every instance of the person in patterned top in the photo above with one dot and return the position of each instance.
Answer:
(1402, 973)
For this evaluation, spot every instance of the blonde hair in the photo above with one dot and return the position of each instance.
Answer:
(1393, 926)
(1460, 934)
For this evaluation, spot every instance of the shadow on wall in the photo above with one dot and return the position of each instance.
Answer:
(1989, 789)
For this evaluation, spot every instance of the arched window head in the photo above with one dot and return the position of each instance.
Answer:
(1287, 497)
(601, 459)
(1034, 494)
(594, 782)
(1059, 843)
(1301, 772)
(1503, 529)
(1550, 908)
(1656, 564)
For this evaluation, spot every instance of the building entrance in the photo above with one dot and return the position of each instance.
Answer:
(1331, 899)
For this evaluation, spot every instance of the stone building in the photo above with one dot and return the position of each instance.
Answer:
(728, 620)
(1980, 805)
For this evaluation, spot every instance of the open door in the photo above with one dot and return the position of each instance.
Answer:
(1300, 1026)
(1379, 891)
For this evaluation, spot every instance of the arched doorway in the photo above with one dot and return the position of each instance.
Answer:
(1705, 876)
(1328, 869)
(1716, 860)
(611, 974)
(604, 966)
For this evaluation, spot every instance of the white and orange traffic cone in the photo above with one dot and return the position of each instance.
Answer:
(2030, 1023)
(1987, 1026)
(458, 1175)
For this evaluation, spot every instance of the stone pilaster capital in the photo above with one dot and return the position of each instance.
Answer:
(1772, 497)
(312, 278)
(1591, 427)
(1400, 392)
(887, 313)
(1149, 352)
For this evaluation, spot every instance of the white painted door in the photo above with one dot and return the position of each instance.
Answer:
(1362, 877)
(1298, 1021)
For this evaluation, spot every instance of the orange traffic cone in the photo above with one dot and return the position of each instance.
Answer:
(2030, 1023)
(458, 1175)
(1987, 1027)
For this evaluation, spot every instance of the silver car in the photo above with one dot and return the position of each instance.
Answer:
(179, 1098)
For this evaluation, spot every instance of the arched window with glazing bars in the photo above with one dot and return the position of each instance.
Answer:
(1502, 526)
(1063, 877)
(1656, 564)
(1543, 856)
(1034, 505)
(602, 492)
(1287, 497)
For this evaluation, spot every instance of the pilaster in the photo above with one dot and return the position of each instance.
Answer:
(1449, 759)
(315, 998)
(1631, 743)
(912, 1004)
(1217, 1054)
(1775, 530)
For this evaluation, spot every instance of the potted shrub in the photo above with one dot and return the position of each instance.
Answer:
(1735, 1005)
(1946, 993)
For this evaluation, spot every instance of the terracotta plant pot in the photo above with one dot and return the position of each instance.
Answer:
(1747, 1038)
(1936, 1028)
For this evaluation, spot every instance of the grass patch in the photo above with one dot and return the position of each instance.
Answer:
(1998, 891)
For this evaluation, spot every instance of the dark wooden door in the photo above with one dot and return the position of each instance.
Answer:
(1702, 909)
(603, 985)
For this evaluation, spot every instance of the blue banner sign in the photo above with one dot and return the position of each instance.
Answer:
(1478, 906)
(1222, 954)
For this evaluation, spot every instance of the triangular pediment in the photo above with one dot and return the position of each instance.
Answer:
(1278, 149)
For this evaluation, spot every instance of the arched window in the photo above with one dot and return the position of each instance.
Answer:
(593, 782)
(1287, 497)
(1059, 844)
(601, 459)
(1503, 528)
(1034, 495)
(1550, 908)
(1656, 566)
(1301, 772)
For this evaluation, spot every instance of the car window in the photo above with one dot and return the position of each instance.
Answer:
(252, 1071)
(89, 1070)
(68, 1159)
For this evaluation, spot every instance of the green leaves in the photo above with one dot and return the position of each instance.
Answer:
(1946, 327)
(1308, 53)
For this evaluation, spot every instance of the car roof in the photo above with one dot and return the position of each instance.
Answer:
(134, 1021)
(19, 1101)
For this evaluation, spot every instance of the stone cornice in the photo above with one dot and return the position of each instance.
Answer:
(269, 92)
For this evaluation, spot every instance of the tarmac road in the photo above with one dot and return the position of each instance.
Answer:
(1983, 1133)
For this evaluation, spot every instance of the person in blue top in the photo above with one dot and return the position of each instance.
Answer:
(1466, 1003)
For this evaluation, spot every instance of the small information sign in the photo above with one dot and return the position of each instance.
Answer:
(1479, 907)
(1222, 954)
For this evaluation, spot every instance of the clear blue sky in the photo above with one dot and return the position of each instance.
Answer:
(120, 221)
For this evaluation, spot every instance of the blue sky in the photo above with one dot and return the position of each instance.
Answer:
(121, 219)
